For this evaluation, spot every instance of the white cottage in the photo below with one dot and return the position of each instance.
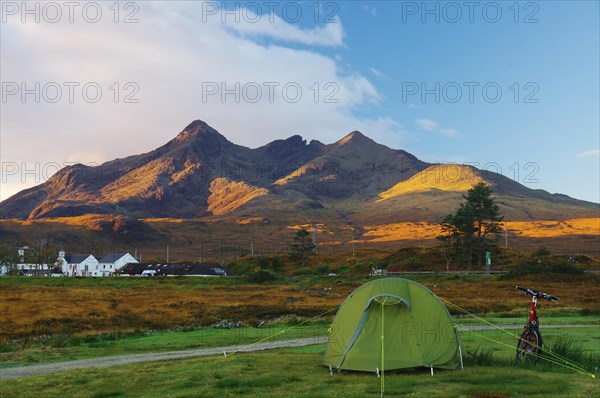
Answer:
(114, 261)
(77, 264)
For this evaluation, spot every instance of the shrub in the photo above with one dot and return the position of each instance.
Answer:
(541, 252)
(565, 350)
(6, 347)
(482, 356)
(341, 269)
(248, 264)
(532, 269)
(241, 268)
(262, 276)
(364, 267)
(302, 271)
(322, 269)
(271, 263)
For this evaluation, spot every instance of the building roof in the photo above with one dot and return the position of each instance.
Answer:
(76, 258)
(112, 257)
(177, 269)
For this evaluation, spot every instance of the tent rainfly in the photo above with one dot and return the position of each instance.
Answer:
(392, 323)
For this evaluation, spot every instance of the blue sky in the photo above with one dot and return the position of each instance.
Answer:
(558, 54)
(368, 62)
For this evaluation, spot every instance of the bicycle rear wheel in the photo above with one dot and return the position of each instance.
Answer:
(528, 346)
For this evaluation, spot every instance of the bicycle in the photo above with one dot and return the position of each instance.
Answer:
(530, 342)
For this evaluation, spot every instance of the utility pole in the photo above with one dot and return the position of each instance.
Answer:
(167, 254)
(314, 236)
(506, 238)
(353, 242)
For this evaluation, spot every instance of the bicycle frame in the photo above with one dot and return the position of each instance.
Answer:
(533, 317)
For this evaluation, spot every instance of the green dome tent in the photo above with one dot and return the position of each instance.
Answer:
(392, 323)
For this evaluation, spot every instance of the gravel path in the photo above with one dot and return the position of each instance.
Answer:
(23, 371)
(32, 370)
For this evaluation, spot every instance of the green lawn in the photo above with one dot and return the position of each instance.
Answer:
(502, 343)
(59, 350)
(298, 372)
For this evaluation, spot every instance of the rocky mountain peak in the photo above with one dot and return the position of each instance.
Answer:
(198, 129)
(355, 137)
(199, 138)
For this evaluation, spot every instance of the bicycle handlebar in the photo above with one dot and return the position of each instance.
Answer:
(537, 293)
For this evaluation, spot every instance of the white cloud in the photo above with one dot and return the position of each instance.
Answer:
(449, 132)
(427, 124)
(434, 127)
(272, 26)
(593, 152)
(371, 10)
(377, 73)
(170, 57)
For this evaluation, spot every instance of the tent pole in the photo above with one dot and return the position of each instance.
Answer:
(382, 348)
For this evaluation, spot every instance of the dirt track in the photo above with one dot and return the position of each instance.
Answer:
(23, 371)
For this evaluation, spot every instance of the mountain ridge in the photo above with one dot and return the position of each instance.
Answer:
(200, 173)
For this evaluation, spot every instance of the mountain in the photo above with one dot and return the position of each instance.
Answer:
(200, 172)
(171, 181)
(353, 186)
(355, 165)
(431, 193)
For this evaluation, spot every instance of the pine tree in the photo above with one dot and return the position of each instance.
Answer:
(302, 246)
(473, 224)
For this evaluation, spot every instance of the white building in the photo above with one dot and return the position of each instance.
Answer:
(29, 269)
(23, 269)
(112, 262)
(77, 264)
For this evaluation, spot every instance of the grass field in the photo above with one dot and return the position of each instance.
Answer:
(33, 307)
(299, 372)
(55, 319)
(109, 345)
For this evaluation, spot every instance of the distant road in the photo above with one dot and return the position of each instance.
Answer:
(24, 371)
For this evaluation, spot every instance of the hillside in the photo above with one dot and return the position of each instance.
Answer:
(200, 187)
(437, 190)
